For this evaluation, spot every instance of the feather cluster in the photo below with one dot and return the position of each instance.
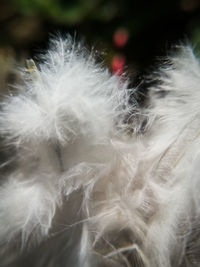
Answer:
(96, 180)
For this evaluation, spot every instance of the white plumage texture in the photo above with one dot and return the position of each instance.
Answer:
(69, 94)
(97, 179)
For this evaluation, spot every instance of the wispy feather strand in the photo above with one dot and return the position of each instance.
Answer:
(87, 191)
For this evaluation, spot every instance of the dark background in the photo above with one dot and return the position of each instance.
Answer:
(127, 34)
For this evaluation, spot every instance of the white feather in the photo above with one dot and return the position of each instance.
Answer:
(134, 197)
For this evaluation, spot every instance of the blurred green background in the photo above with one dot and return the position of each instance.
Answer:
(127, 34)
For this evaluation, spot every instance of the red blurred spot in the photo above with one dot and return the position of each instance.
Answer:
(118, 64)
(121, 37)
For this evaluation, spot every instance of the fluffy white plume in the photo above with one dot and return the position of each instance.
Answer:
(98, 181)
(69, 95)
